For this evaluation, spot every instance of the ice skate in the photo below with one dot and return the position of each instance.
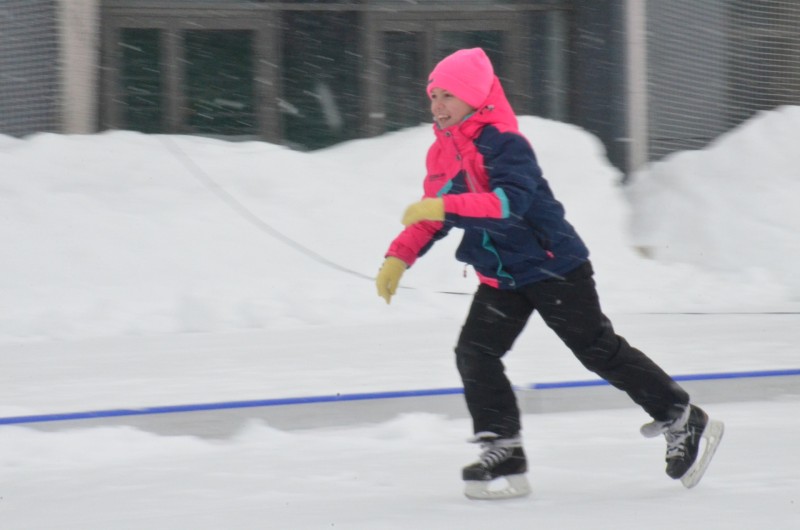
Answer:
(692, 440)
(500, 471)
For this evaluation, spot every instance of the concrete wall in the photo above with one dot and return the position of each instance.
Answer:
(49, 57)
(79, 29)
(29, 83)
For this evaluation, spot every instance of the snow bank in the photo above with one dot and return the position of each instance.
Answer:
(122, 233)
(731, 207)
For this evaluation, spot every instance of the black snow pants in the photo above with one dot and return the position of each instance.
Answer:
(571, 308)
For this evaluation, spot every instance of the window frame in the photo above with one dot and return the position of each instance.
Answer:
(264, 19)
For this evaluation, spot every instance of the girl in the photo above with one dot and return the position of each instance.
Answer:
(483, 177)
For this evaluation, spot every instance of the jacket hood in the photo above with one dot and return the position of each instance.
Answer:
(496, 110)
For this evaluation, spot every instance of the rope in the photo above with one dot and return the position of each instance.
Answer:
(245, 213)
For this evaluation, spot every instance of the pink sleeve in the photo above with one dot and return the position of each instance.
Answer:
(408, 245)
(492, 205)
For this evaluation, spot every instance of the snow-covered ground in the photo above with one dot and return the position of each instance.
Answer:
(157, 270)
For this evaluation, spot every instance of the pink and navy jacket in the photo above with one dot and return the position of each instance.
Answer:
(486, 172)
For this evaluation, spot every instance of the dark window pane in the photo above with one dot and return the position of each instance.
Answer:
(219, 82)
(406, 102)
(141, 80)
(320, 85)
(547, 54)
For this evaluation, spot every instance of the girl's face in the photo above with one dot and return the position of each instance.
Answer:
(447, 109)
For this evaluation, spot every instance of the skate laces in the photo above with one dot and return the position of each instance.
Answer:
(675, 431)
(654, 428)
(492, 455)
(495, 449)
(676, 446)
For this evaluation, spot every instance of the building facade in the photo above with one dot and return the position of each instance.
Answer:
(648, 77)
(310, 74)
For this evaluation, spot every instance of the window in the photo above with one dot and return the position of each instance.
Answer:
(405, 101)
(218, 82)
(321, 94)
(547, 45)
(313, 75)
(141, 80)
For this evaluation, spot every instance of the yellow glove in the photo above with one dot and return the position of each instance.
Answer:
(389, 277)
(424, 210)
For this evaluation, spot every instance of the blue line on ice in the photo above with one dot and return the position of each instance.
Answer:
(199, 407)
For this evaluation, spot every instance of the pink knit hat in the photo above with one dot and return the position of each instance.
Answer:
(467, 74)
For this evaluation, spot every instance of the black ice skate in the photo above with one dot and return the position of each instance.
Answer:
(500, 471)
(685, 459)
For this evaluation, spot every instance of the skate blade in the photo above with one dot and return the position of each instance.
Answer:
(712, 436)
(508, 487)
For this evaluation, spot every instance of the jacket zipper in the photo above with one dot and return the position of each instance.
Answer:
(468, 179)
(467, 176)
